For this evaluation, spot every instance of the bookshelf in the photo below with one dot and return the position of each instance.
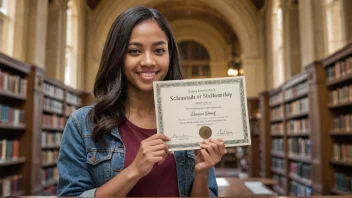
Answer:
(60, 101)
(338, 82)
(14, 77)
(32, 120)
(254, 148)
(293, 134)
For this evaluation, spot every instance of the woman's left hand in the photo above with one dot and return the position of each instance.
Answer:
(209, 155)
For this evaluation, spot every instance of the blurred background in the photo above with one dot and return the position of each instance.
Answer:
(292, 52)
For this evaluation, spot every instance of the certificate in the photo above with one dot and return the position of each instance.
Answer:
(189, 111)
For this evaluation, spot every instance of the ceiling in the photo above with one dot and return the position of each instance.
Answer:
(94, 3)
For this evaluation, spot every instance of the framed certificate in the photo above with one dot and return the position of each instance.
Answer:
(189, 111)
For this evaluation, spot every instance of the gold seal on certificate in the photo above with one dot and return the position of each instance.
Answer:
(205, 132)
(189, 111)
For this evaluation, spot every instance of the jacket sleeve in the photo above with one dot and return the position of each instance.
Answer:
(213, 186)
(74, 177)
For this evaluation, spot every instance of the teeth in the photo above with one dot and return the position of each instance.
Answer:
(147, 74)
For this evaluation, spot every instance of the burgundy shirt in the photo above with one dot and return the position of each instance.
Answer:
(162, 179)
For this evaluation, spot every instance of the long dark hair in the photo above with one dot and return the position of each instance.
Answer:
(110, 86)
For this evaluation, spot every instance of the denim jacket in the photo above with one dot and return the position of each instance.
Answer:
(84, 165)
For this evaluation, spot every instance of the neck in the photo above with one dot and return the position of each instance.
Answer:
(140, 103)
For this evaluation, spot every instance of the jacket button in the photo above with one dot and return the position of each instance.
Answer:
(92, 159)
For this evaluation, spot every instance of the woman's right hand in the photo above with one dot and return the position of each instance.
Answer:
(151, 151)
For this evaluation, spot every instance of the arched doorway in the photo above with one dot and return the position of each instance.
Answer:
(196, 60)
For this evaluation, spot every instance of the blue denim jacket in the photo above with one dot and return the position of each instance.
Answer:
(83, 165)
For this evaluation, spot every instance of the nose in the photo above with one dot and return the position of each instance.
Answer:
(148, 60)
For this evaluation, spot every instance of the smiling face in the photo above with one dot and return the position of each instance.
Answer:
(147, 58)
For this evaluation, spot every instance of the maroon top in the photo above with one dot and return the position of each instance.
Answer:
(162, 179)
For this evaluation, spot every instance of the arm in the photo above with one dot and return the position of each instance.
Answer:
(75, 178)
(204, 183)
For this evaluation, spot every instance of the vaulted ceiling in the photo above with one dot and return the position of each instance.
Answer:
(94, 3)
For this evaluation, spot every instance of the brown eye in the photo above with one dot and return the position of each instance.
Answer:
(160, 51)
(133, 51)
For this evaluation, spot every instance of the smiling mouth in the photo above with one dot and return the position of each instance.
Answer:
(147, 75)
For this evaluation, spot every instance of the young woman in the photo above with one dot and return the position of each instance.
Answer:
(111, 148)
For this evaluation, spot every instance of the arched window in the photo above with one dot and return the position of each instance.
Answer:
(278, 44)
(196, 61)
(71, 46)
(334, 23)
(7, 25)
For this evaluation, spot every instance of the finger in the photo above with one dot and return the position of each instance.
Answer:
(206, 157)
(160, 153)
(208, 148)
(159, 147)
(158, 136)
(156, 159)
(221, 146)
(215, 147)
(155, 142)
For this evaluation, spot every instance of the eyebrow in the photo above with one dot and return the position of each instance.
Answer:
(154, 44)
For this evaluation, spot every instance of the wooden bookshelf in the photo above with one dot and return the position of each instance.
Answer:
(264, 135)
(25, 93)
(254, 148)
(338, 82)
(14, 80)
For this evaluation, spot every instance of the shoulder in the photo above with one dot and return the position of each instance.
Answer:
(80, 118)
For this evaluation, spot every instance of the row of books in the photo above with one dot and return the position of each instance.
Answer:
(343, 152)
(298, 126)
(275, 99)
(12, 83)
(277, 145)
(10, 185)
(11, 115)
(298, 189)
(9, 149)
(49, 174)
(343, 182)
(277, 128)
(297, 107)
(301, 170)
(277, 113)
(295, 91)
(278, 163)
(299, 146)
(51, 138)
(69, 109)
(73, 98)
(53, 91)
(53, 121)
(53, 105)
(343, 122)
(340, 69)
(50, 156)
(280, 179)
(341, 95)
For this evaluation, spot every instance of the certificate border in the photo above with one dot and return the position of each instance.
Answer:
(167, 84)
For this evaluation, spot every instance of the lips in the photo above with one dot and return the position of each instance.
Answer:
(147, 75)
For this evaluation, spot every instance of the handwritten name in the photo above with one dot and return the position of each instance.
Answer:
(183, 136)
(206, 113)
(224, 132)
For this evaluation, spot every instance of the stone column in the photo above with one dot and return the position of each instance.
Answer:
(291, 39)
(347, 5)
(36, 32)
(312, 31)
(56, 39)
(254, 74)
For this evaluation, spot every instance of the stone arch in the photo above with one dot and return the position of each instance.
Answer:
(242, 16)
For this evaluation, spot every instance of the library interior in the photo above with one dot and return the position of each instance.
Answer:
(295, 55)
